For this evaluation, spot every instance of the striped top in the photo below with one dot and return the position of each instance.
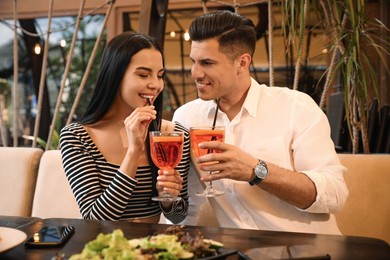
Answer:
(105, 193)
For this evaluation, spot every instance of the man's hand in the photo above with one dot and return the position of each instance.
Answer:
(230, 162)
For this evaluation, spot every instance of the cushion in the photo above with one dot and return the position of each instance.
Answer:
(18, 173)
(367, 209)
(53, 195)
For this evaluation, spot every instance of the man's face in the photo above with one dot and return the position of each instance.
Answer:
(214, 73)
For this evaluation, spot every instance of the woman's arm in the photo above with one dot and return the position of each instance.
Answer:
(100, 195)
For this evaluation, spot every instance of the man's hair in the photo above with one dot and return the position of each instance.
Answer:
(235, 34)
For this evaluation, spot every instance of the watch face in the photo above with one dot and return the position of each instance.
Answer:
(261, 171)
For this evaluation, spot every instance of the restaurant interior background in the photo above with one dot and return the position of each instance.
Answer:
(33, 17)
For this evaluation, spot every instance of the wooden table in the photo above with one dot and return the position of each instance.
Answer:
(338, 247)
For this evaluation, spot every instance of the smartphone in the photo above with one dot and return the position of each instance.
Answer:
(50, 236)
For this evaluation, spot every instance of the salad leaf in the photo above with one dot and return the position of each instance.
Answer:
(172, 245)
(116, 246)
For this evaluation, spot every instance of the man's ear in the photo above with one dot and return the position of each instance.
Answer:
(244, 61)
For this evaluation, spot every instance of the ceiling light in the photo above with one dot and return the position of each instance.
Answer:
(62, 43)
(186, 36)
(37, 49)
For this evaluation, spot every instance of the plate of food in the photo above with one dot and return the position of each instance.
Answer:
(174, 243)
(10, 238)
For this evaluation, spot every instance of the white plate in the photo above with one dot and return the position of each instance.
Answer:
(10, 238)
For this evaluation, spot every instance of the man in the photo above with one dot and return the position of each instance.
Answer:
(278, 166)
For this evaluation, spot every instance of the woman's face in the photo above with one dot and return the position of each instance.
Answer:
(143, 79)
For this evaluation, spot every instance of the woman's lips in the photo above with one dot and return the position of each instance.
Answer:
(148, 98)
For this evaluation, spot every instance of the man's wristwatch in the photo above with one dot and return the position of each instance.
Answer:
(260, 171)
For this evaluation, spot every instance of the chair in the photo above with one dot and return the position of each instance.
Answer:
(18, 173)
(53, 195)
(367, 209)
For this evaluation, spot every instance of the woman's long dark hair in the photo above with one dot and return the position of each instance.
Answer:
(115, 60)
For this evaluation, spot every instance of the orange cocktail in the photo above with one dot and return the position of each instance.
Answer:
(199, 135)
(166, 150)
(204, 134)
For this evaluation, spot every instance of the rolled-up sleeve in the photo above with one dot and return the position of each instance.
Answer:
(315, 156)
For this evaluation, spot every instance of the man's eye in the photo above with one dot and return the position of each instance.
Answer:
(206, 63)
(143, 75)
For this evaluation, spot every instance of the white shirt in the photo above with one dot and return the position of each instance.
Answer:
(286, 128)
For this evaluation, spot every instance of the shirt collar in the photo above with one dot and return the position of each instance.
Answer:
(252, 99)
(250, 104)
(212, 105)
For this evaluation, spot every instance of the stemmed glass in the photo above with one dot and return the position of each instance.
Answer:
(166, 150)
(204, 134)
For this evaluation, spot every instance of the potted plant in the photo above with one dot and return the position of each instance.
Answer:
(357, 44)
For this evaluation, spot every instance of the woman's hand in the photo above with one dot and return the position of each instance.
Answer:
(136, 126)
(169, 181)
(136, 129)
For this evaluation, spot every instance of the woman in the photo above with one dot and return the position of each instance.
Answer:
(106, 156)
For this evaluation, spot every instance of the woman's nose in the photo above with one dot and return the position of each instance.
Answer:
(156, 82)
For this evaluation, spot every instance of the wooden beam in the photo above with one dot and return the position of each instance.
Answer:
(29, 9)
(153, 19)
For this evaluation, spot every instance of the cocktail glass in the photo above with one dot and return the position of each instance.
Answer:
(166, 150)
(203, 134)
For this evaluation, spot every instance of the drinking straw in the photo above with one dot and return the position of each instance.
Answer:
(213, 138)
(164, 158)
(216, 113)
(154, 121)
